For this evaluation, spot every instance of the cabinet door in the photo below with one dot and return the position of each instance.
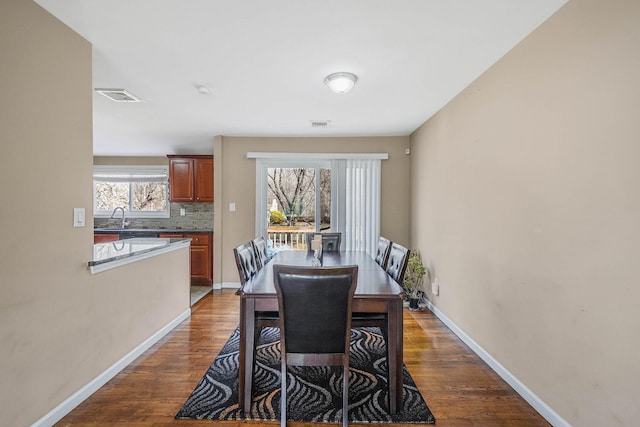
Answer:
(181, 180)
(200, 263)
(204, 180)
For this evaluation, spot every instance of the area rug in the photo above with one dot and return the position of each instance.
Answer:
(314, 394)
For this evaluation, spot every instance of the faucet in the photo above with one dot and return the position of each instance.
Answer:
(124, 221)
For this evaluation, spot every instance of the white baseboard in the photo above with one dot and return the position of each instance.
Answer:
(79, 396)
(227, 285)
(538, 404)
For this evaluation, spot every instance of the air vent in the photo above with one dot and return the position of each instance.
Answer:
(118, 95)
(320, 123)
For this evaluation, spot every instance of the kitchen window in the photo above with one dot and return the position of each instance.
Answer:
(142, 191)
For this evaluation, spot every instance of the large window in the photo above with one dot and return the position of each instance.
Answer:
(142, 191)
(319, 192)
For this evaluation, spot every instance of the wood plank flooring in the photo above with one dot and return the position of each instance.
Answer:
(460, 389)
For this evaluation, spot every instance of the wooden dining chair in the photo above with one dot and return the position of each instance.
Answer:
(315, 321)
(260, 249)
(397, 263)
(330, 241)
(382, 251)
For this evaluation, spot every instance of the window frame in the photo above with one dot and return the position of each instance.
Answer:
(140, 170)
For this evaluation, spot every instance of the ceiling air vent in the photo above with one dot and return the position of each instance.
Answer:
(320, 123)
(118, 95)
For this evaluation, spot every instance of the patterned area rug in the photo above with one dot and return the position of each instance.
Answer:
(315, 393)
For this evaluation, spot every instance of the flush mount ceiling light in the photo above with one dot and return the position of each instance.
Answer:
(340, 82)
(202, 89)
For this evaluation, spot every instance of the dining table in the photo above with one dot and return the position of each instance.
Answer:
(376, 294)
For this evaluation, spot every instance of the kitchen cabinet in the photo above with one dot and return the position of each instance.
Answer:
(201, 255)
(190, 178)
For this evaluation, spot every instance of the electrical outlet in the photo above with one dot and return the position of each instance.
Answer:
(435, 287)
(183, 212)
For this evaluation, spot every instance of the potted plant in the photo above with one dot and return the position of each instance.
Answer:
(414, 278)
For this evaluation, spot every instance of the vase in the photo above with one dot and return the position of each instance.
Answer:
(413, 304)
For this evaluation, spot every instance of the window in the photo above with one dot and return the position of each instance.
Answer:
(141, 190)
(351, 206)
(298, 202)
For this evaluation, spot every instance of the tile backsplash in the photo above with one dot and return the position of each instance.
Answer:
(199, 216)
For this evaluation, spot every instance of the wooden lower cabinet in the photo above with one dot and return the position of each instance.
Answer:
(201, 255)
(105, 237)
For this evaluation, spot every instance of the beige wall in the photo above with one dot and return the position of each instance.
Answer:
(526, 204)
(60, 327)
(236, 183)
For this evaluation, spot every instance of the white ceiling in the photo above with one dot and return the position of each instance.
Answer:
(264, 63)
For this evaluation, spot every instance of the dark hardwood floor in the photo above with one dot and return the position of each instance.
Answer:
(460, 389)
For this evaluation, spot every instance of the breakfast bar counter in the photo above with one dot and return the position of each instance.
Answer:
(109, 255)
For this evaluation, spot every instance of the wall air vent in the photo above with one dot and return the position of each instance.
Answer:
(320, 123)
(117, 95)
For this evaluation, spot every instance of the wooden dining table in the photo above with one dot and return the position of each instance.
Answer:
(376, 293)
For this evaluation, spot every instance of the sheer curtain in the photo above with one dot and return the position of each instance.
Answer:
(361, 204)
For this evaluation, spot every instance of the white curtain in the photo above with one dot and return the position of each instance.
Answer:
(362, 204)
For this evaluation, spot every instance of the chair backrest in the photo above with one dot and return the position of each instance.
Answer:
(315, 308)
(382, 253)
(246, 262)
(398, 260)
(330, 241)
(260, 248)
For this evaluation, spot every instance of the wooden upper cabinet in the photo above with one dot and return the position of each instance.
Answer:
(203, 182)
(181, 180)
(190, 178)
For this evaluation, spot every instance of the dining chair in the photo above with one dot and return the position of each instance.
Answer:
(382, 252)
(379, 320)
(260, 248)
(330, 241)
(245, 256)
(397, 263)
(315, 321)
(246, 262)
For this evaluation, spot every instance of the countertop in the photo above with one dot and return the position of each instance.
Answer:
(152, 230)
(115, 254)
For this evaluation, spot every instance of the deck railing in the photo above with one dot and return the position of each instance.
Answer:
(295, 240)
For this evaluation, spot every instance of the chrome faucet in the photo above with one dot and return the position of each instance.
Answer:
(124, 221)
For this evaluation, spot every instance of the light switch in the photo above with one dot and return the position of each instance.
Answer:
(78, 217)
(232, 207)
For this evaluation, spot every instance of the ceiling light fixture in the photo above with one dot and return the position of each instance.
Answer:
(202, 89)
(341, 82)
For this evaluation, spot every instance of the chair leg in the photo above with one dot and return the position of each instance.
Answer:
(345, 395)
(283, 394)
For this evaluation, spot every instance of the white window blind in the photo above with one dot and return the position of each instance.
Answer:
(362, 204)
(131, 173)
